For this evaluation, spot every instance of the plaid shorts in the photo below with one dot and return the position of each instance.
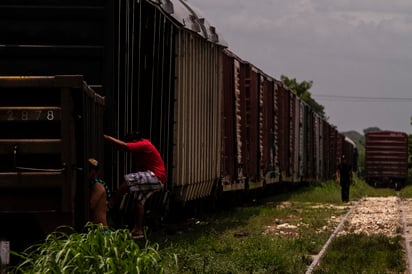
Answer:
(142, 185)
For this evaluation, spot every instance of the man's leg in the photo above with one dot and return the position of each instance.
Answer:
(117, 196)
(138, 226)
(345, 196)
(143, 185)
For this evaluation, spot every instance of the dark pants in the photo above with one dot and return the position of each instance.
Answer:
(345, 191)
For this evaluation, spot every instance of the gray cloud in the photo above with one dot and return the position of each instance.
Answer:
(376, 6)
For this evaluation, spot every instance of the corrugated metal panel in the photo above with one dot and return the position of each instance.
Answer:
(339, 146)
(197, 131)
(232, 170)
(297, 141)
(276, 130)
(240, 173)
(304, 141)
(319, 147)
(269, 129)
(334, 139)
(332, 151)
(325, 149)
(260, 145)
(386, 155)
(330, 146)
(252, 123)
(228, 124)
(301, 139)
(309, 147)
(312, 157)
(283, 105)
(244, 83)
(142, 97)
(294, 135)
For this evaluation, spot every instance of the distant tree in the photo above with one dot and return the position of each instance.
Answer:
(302, 90)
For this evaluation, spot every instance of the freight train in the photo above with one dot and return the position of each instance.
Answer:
(386, 158)
(73, 70)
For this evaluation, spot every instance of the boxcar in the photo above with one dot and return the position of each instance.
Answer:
(197, 117)
(386, 158)
(317, 147)
(162, 69)
(232, 163)
(309, 148)
(49, 126)
(249, 145)
(285, 132)
(251, 124)
(300, 140)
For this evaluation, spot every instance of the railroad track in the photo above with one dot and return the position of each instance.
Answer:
(407, 229)
(377, 215)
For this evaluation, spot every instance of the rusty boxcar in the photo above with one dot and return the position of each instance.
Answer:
(284, 120)
(232, 172)
(386, 158)
(270, 127)
(49, 126)
(247, 122)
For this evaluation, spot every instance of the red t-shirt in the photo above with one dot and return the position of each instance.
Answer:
(148, 158)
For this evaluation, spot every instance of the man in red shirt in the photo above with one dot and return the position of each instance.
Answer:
(149, 175)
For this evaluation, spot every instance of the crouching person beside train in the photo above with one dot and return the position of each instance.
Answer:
(148, 177)
(99, 194)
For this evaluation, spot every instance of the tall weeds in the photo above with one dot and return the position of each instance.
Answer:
(98, 250)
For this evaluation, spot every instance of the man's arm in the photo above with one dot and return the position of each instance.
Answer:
(119, 144)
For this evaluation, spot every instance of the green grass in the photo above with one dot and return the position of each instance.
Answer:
(406, 191)
(96, 251)
(277, 234)
(237, 241)
(329, 192)
(363, 254)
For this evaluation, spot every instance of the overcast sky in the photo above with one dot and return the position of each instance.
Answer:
(349, 48)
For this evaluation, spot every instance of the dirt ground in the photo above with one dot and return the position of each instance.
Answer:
(383, 215)
(377, 215)
(389, 216)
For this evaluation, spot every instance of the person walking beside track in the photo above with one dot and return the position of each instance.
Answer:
(148, 177)
(344, 176)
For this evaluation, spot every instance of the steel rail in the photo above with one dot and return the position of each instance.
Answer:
(405, 235)
(332, 236)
